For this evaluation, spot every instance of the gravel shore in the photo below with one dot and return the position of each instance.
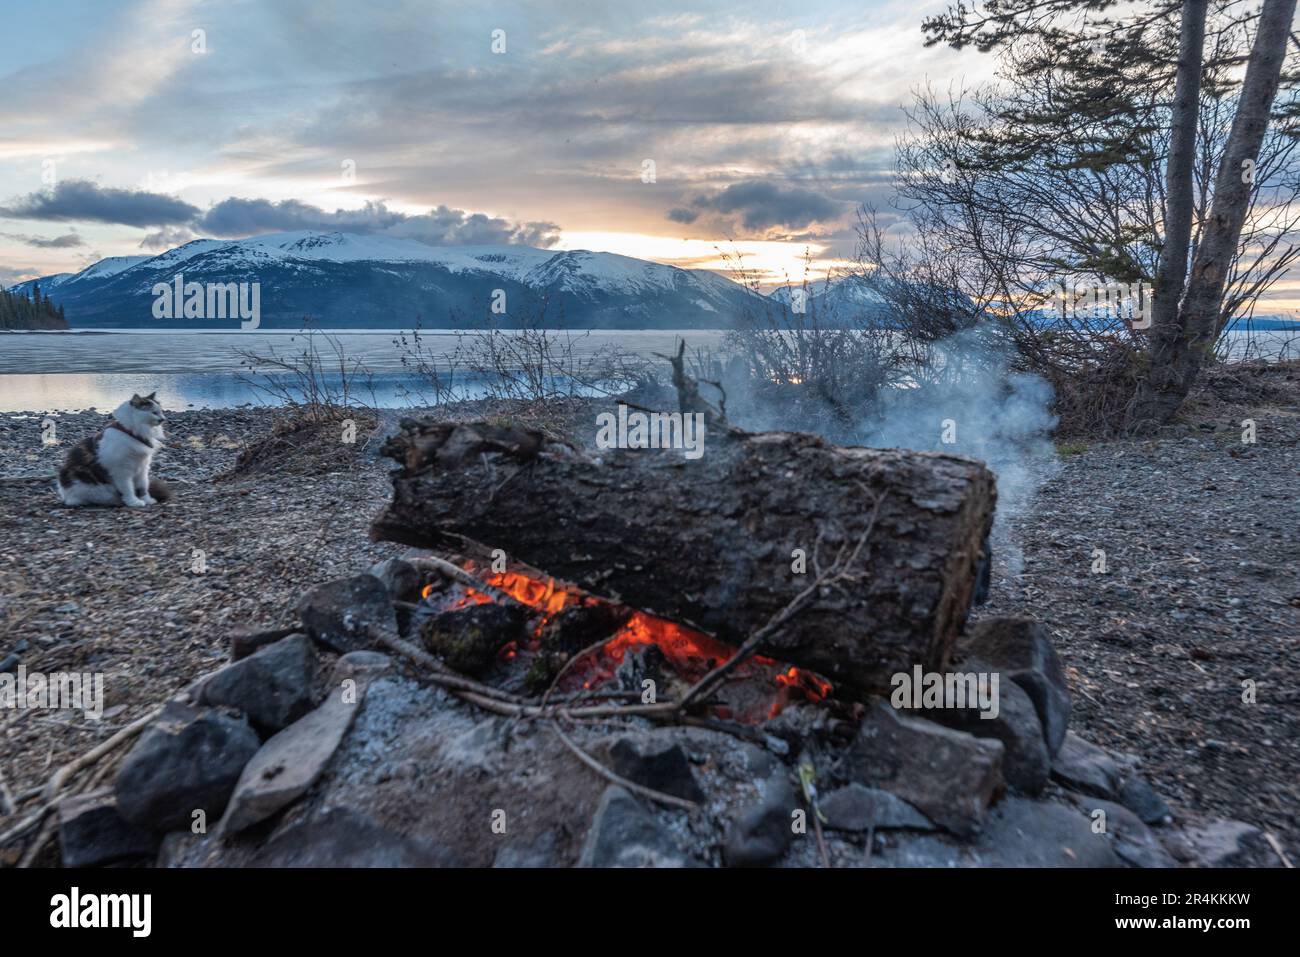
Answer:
(1200, 592)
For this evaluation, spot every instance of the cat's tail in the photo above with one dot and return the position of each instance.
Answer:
(159, 490)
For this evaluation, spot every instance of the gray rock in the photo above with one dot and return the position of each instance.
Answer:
(1132, 840)
(272, 686)
(760, 835)
(245, 641)
(857, 808)
(1082, 766)
(92, 832)
(360, 664)
(1025, 761)
(948, 775)
(187, 760)
(1140, 798)
(469, 639)
(1020, 649)
(539, 852)
(343, 615)
(656, 763)
(401, 578)
(624, 834)
(1225, 843)
(1018, 832)
(290, 762)
(345, 838)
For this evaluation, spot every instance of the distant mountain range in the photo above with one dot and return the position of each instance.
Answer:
(346, 280)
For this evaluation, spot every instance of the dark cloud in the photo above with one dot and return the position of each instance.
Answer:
(83, 201)
(680, 214)
(66, 241)
(169, 237)
(441, 226)
(762, 205)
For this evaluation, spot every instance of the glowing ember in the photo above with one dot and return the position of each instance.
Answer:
(691, 653)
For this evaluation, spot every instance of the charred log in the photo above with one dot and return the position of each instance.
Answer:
(722, 542)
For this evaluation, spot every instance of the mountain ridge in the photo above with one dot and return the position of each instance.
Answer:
(365, 281)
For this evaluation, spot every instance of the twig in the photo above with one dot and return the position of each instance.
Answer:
(1274, 843)
(7, 806)
(51, 789)
(442, 675)
(608, 775)
(449, 570)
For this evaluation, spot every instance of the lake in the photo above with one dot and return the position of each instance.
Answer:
(66, 371)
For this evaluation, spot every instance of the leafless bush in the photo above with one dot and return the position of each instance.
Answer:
(315, 380)
(529, 364)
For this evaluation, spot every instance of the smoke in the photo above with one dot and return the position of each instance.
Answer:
(964, 398)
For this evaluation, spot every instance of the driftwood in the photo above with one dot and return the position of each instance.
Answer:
(716, 542)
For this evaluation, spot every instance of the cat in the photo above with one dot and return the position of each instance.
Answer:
(112, 467)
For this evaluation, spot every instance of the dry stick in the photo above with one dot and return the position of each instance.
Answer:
(52, 786)
(7, 806)
(441, 674)
(608, 775)
(465, 578)
(594, 646)
(1277, 847)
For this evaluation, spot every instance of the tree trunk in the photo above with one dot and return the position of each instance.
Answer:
(715, 542)
(1180, 195)
(1179, 349)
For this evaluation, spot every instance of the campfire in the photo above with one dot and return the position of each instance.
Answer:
(583, 643)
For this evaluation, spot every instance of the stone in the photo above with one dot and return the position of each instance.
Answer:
(1082, 766)
(760, 835)
(1018, 832)
(401, 578)
(577, 626)
(1226, 843)
(858, 808)
(656, 763)
(342, 837)
(538, 853)
(1141, 798)
(245, 641)
(290, 762)
(1020, 650)
(469, 639)
(361, 664)
(272, 686)
(187, 760)
(1131, 839)
(950, 776)
(343, 615)
(92, 832)
(624, 834)
(1025, 761)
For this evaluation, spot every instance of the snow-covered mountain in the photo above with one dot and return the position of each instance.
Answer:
(846, 299)
(366, 281)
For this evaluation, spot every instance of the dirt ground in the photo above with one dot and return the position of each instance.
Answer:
(1199, 602)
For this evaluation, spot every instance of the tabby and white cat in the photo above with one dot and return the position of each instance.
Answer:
(112, 467)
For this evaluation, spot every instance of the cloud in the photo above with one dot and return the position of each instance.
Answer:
(169, 237)
(680, 214)
(763, 205)
(441, 226)
(66, 241)
(84, 201)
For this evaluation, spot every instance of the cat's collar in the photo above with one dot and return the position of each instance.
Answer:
(122, 428)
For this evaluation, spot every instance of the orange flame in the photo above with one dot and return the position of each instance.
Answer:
(692, 653)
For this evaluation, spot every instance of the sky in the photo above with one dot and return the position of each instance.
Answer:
(699, 135)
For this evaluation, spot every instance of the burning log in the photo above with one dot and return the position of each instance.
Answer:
(723, 542)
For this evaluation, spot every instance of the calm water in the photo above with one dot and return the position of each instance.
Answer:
(47, 371)
(42, 372)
